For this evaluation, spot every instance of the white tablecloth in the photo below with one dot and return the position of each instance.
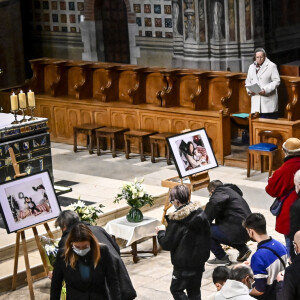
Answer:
(132, 232)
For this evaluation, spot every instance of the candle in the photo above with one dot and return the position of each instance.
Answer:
(14, 102)
(31, 99)
(22, 100)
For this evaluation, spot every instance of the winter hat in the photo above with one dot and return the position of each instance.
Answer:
(291, 147)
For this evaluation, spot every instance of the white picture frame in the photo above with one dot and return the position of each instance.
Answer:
(28, 201)
(202, 157)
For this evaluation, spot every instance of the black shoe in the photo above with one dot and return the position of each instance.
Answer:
(224, 261)
(244, 255)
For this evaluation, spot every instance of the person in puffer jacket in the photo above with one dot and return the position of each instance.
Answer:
(187, 238)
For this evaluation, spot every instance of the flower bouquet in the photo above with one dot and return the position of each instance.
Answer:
(50, 247)
(86, 213)
(136, 197)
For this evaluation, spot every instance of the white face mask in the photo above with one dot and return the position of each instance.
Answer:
(81, 252)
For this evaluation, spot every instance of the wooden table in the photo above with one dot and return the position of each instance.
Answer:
(133, 233)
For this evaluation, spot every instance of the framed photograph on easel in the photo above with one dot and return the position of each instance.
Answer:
(28, 201)
(192, 152)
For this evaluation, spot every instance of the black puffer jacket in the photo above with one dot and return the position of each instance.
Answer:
(187, 237)
(228, 208)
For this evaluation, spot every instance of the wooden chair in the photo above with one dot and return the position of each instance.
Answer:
(110, 133)
(141, 136)
(89, 131)
(160, 138)
(264, 149)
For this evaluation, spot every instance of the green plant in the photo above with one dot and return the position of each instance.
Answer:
(135, 194)
(86, 213)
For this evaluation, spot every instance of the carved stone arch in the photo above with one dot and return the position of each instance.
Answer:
(89, 32)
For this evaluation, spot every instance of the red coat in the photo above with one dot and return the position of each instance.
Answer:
(279, 184)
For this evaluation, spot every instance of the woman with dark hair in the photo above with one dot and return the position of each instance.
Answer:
(265, 74)
(85, 266)
(196, 157)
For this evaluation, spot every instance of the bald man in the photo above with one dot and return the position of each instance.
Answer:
(295, 213)
(291, 283)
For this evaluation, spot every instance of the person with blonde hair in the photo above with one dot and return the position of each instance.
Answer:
(86, 266)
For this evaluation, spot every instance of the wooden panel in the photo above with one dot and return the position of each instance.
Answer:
(154, 84)
(189, 86)
(46, 111)
(127, 82)
(61, 124)
(217, 89)
(179, 124)
(101, 117)
(124, 118)
(86, 116)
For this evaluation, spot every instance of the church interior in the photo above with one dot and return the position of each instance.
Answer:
(145, 67)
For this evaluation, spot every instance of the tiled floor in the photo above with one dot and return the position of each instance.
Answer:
(99, 180)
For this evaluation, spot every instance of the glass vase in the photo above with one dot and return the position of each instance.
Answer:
(134, 215)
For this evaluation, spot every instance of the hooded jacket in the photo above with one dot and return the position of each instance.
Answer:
(233, 290)
(187, 237)
(228, 208)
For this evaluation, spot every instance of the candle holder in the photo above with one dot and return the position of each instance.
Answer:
(32, 113)
(23, 114)
(15, 115)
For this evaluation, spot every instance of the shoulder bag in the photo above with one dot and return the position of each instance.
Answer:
(276, 206)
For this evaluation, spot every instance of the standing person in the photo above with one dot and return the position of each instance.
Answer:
(281, 185)
(228, 208)
(68, 218)
(291, 283)
(265, 74)
(294, 214)
(238, 285)
(270, 258)
(186, 237)
(86, 267)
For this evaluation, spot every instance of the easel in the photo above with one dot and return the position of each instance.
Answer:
(21, 233)
(197, 181)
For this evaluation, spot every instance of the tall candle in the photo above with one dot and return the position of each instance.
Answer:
(14, 102)
(31, 99)
(22, 100)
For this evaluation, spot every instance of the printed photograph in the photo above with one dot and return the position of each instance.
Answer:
(192, 152)
(28, 201)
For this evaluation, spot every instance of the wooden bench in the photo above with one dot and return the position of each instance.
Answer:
(141, 136)
(89, 131)
(157, 139)
(110, 133)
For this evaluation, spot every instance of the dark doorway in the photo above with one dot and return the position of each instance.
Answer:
(113, 15)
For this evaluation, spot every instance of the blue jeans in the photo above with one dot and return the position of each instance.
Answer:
(288, 244)
(217, 238)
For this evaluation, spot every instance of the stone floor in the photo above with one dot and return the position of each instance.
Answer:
(98, 179)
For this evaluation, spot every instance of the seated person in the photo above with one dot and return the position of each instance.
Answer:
(219, 277)
(32, 206)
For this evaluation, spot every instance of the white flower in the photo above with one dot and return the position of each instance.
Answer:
(141, 194)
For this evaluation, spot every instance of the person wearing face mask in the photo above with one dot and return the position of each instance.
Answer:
(270, 258)
(239, 284)
(186, 237)
(265, 74)
(281, 186)
(86, 267)
(67, 219)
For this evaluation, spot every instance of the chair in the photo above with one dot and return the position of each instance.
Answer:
(264, 149)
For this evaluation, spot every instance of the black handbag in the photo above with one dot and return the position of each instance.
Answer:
(276, 206)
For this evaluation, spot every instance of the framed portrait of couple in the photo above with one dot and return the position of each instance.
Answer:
(192, 152)
(28, 201)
